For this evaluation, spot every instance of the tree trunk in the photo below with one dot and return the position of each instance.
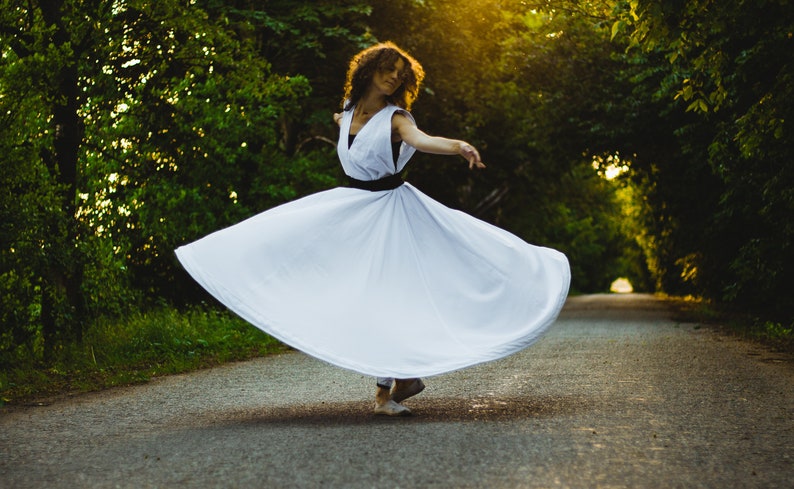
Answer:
(48, 327)
(69, 266)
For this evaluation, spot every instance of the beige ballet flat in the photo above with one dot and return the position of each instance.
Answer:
(391, 408)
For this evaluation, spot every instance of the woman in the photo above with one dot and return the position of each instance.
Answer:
(377, 277)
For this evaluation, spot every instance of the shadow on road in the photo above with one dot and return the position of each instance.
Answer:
(430, 410)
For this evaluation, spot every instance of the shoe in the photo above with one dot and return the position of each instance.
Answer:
(407, 388)
(391, 408)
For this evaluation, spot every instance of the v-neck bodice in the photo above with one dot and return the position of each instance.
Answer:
(370, 155)
(395, 148)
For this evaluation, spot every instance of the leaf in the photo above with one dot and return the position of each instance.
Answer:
(699, 105)
(616, 28)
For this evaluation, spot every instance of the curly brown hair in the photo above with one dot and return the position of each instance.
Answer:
(382, 56)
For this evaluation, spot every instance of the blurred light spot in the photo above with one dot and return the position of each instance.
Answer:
(621, 286)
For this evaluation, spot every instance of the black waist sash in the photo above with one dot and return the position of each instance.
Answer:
(385, 183)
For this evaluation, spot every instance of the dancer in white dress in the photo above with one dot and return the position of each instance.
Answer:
(377, 277)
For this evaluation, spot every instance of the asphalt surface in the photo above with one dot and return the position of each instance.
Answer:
(617, 394)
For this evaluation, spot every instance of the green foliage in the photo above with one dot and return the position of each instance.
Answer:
(131, 128)
(134, 349)
(313, 39)
(729, 66)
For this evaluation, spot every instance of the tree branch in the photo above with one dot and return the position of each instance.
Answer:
(312, 138)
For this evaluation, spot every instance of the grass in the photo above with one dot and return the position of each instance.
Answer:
(145, 345)
(774, 334)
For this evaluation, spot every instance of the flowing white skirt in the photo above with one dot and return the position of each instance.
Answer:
(388, 284)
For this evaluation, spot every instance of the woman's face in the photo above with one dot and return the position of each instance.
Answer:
(387, 80)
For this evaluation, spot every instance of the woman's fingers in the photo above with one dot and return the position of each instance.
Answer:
(472, 156)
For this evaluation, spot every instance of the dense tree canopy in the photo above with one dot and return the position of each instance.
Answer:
(720, 192)
(131, 127)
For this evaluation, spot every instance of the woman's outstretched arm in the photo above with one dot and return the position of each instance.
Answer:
(425, 143)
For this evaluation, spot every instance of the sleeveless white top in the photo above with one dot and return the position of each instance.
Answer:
(388, 283)
(370, 156)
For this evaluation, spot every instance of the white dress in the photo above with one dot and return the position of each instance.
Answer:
(386, 283)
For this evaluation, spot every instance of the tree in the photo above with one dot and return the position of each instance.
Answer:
(41, 51)
(729, 65)
(132, 127)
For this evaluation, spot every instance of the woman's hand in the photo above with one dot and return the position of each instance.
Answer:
(471, 154)
(338, 118)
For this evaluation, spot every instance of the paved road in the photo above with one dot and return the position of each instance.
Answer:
(618, 394)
